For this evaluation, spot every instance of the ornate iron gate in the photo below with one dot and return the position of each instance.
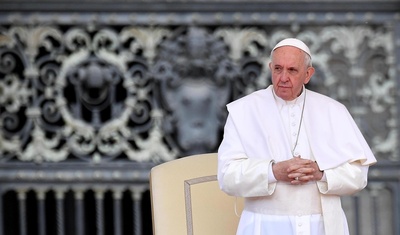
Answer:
(93, 95)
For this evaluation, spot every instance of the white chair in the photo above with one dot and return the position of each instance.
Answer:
(186, 198)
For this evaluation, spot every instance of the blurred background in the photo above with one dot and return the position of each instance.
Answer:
(93, 93)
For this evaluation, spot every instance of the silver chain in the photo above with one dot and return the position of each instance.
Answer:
(301, 120)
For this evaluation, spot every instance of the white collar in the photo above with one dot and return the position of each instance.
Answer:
(281, 102)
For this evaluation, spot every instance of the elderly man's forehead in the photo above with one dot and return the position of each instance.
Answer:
(288, 51)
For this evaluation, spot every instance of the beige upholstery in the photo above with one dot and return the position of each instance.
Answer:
(186, 198)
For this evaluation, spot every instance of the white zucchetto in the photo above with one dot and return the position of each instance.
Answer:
(294, 42)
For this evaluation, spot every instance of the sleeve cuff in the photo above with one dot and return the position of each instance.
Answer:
(271, 176)
(323, 177)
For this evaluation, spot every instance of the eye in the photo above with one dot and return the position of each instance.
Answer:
(278, 69)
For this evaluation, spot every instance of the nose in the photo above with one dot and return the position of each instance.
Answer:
(284, 76)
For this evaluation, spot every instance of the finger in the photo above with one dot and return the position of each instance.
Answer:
(297, 181)
(306, 170)
(301, 179)
(303, 163)
(295, 176)
(301, 169)
(294, 168)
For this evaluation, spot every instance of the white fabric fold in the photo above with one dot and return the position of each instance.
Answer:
(333, 134)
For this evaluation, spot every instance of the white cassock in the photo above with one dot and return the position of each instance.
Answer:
(262, 128)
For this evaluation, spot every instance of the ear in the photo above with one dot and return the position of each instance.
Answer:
(309, 74)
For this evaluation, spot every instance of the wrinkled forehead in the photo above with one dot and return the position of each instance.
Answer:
(288, 55)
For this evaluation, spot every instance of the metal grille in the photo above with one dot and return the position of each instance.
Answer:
(92, 96)
(76, 211)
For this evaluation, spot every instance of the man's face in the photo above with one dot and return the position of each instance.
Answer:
(289, 72)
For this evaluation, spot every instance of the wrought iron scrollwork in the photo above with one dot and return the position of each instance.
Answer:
(152, 94)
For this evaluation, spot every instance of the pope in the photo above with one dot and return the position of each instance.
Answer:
(291, 153)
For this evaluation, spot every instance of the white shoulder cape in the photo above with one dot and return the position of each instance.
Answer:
(333, 135)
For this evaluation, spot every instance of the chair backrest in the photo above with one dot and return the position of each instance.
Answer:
(186, 198)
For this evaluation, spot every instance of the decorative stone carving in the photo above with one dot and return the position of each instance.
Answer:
(195, 75)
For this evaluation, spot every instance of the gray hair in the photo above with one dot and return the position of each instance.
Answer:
(307, 58)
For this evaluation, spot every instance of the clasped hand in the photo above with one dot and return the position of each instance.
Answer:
(297, 170)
